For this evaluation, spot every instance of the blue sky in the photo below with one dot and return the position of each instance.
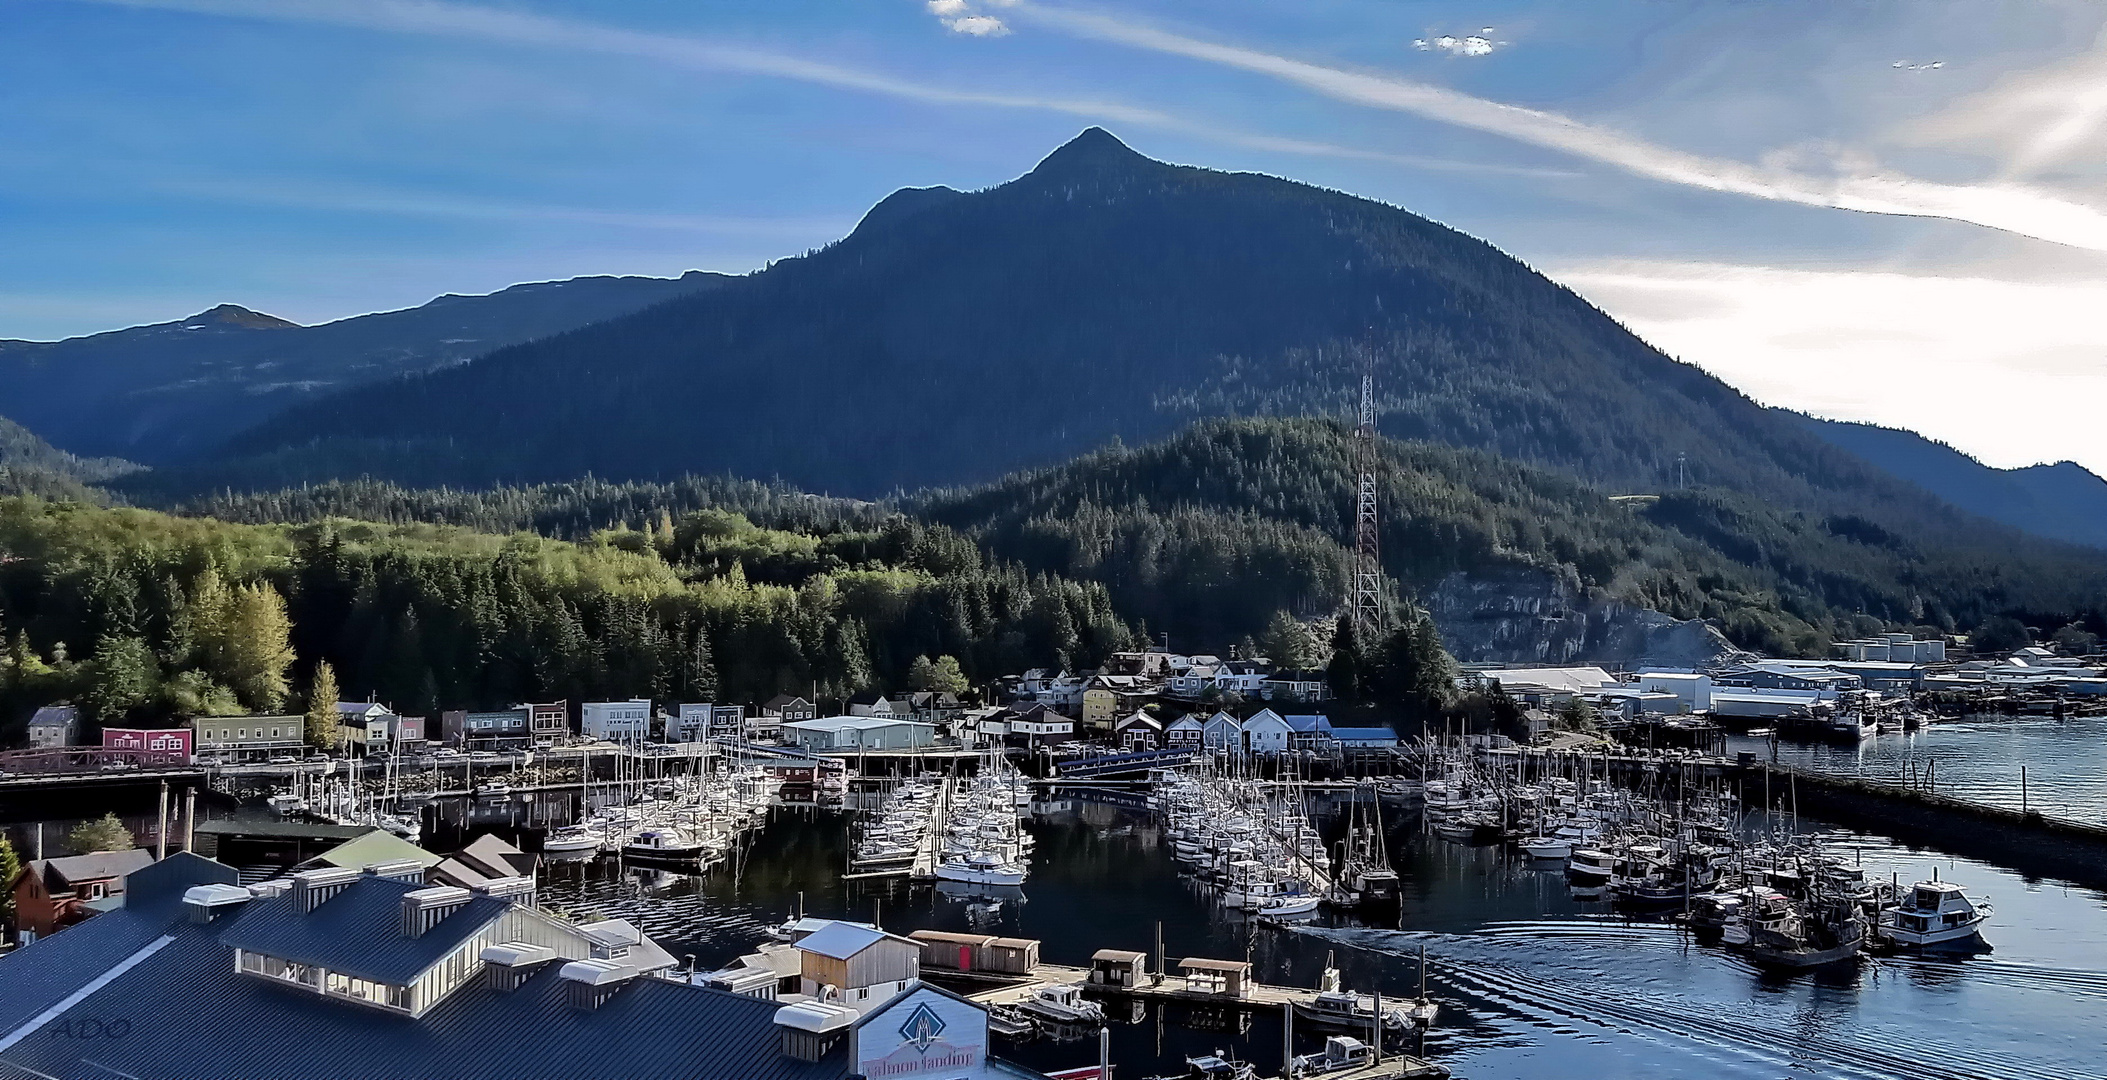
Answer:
(1872, 210)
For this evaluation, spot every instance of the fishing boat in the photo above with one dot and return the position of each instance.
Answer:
(1774, 931)
(1214, 1066)
(1341, 1053)
(1063, 1003)
(665, 844)
(1365, 872)
(1341, 1009)
(1933, 913)
(1590, 867)
(1547, 847)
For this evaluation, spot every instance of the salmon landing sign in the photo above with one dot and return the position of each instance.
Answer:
(927, 1033)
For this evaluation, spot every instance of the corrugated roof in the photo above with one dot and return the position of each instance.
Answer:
(374, 848)
(209, 1023)
(97, 866)
(357, 931)
(841, 940)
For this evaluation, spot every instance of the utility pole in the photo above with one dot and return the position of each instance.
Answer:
(1365, 602)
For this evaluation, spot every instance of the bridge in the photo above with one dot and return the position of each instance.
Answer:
(76, 760)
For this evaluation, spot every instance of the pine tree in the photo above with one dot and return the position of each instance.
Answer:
(324, 729)
(257, 638)
(123, 676)
(102, 834)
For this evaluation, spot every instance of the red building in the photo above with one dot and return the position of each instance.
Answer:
(171, 741)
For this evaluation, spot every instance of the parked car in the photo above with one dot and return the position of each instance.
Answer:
(284, 759)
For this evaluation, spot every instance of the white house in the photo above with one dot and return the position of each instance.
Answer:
(616, 721)
(54, 726)
(1267, 732)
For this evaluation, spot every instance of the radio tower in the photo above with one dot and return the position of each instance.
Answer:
(1366, 602)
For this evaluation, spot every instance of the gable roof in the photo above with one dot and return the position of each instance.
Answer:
(96, 866)
(1185, 723)
(841, 940)
(55, 714)
(1308, 724)
(373, 848)
(358, 931)
(784, 701)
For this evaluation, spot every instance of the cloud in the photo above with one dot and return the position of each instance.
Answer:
(978, 25)
(1883, 347)
(1905, 65)
(2004, 205)
(1478, 44)
(438, 18)
(960, 18)
(2051, 120)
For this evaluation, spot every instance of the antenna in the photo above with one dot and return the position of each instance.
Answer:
(1365, 603)
(1682, 472)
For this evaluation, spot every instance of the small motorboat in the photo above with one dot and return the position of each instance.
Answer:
(664, 845)
(285, 802)
(1591, 867)
(1547, 847)
(981, 868)
(1341, 1053)
(1339, 1008)
(1215, 1066)
(1063, 1003)
(491, 789)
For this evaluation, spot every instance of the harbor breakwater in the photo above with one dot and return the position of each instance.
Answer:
(2027, 841)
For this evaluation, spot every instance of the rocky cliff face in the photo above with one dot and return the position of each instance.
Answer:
(1534, 617)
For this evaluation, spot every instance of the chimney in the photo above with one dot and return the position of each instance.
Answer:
(520, 889)
(591, 982)
(423, 908)
(208, 902)
(312, 887)
(508, 965)
(405, 870)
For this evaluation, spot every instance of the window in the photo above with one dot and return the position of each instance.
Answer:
(93, 890)
(245, 732)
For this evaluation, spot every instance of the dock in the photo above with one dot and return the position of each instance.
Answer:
(1211, 983)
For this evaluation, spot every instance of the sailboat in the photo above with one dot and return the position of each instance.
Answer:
(1365, 873)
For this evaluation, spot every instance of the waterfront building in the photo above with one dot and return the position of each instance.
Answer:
(1353, 739)
(548, 721)
(616, 721)
(51, 894)
(1893, 648)
(1138, 731)
(1108, 697)
(838, 734)
(1266, 732)
(54, 726)
(1186, 731)
(1222, 732)
(1693, 692)
(249, 738)
(173, 744)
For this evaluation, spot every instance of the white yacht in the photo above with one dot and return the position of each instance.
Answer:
(1063, 1003)
(1933, 913)
(571, 840)
(981, 868)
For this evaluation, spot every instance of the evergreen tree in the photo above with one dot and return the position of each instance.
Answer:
(257, 638)
(123, 677)
(105, 833)
(324, 728)
(10, 865)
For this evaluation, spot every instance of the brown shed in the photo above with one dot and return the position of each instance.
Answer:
(1010, 955)
(1118, 967)
(952, 952)
(1227, 978)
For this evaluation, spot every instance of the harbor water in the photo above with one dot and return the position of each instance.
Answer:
(1535, 981)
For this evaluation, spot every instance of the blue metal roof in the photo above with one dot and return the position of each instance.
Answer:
(1364, 734)
(191, 1016)
(357, 931)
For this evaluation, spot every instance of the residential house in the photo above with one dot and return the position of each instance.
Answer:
(54, 726)
(51, 894)
(249, 738)
(788, 709)
(1057, 690)
(1184, 732)
(373, 729)
(549, 721)
(1267, 732)
(1295, 686)
(1109, 697)
(1027, 726)
(1138, 731)
(1152, 665)
(616, 721)
(1222, 732)
(873, 703)
(1189, 684)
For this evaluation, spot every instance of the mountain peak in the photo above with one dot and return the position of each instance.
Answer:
(236, 315)
(1094, 151)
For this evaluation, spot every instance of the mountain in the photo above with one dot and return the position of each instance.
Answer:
(1208, 533)
(160, 393)
(2063, 500)
(955, 337)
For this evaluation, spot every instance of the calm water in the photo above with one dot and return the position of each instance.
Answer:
(1977, 759)
(1537, 984)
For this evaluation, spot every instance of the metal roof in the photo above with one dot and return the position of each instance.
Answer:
(842, 940)
(97, 866)
(357, 931)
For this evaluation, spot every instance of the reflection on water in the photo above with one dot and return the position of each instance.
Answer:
(1536, 982)
(1976, 759)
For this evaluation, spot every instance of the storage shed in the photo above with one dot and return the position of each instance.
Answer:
(1223, 978)
(1118, 967)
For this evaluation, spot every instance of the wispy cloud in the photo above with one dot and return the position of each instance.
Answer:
(2002, 205)
(959, 16)
(468, 21)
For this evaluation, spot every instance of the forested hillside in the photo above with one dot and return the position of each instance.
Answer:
(1211, 531)
(141, 614)
(956, 337)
